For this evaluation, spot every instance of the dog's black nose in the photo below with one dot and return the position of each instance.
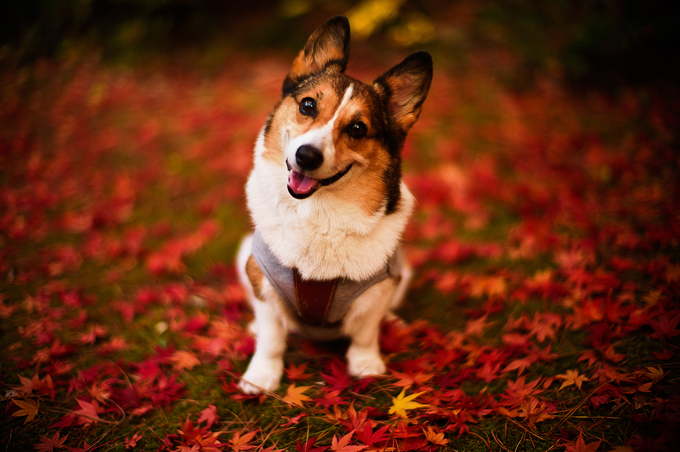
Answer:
(308, 157)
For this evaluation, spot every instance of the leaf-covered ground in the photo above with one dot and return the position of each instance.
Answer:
(544, 312)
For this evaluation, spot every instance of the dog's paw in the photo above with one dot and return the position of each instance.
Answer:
(364, 366)
(261, 377)
(255, 383)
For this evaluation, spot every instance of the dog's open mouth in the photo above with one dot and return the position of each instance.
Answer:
(301, 186)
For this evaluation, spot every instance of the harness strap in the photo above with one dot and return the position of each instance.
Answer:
(317, 303)
(313, 298)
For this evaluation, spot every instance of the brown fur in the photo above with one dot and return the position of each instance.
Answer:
(255, 276)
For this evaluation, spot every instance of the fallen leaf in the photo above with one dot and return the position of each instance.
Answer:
(209, 415)
(401, 404)
(571, 377)
(49, 444)
(29, 408)
(295, 395)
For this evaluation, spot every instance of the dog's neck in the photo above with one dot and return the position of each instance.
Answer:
(325, 236)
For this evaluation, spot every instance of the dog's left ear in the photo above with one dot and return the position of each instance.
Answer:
(327, 46)
(405, 88)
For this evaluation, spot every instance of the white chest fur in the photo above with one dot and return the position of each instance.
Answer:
(324, 236)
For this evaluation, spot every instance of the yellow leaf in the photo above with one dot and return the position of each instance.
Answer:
(571, 377)
(655, 373)
(29, 408)
(295, 395)
(401, 404)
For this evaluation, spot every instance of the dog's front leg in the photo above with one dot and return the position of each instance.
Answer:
(363, 328)
(266, 367)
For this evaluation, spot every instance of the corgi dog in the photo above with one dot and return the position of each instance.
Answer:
(329, 206)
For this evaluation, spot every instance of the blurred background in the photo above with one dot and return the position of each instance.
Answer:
(597, 43)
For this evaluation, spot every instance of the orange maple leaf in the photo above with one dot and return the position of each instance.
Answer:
(342, 444)
(436, 438)
(297, 372)
(571, 377)
(185, 360)
(29, 408)
(295, 395)
(407, 380)
(238, 442)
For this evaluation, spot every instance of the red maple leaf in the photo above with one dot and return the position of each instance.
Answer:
(330, 398)
(295, 373)
(395, 337)
(521, 364)
(580, 445)
(49, 444)
(342, 444)
(373, 438)
(88, 413)
(131, 443)
(406, 380)
(209, 415)
(665, 327)
(308, 446)
(338, 379)
(40, 386)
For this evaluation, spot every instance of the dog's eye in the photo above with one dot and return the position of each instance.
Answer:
(357, 130)
(308, 106)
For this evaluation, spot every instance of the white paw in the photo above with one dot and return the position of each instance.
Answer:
(366, 365)
(261, 376)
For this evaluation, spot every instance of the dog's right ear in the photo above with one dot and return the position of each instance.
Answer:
(327, 46)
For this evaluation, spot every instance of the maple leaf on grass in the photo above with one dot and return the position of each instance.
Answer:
(571, 377)
(342, 444)
(131, 443)
(209, 415)
(580, 445)
(308, 446)
(44, 386)
(297, 372)
(238, 442)
(436, 438)
(521, 364)
(655, 373)
(185, 360)
(49, 444)
(28, 408)
(88, 413)
(407, 380)
(666, 327)
(295, 395)
(373, 438)
(401, 404)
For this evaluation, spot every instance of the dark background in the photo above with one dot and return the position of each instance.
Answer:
(594, 43)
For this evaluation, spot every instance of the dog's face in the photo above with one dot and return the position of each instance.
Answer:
(337, 134)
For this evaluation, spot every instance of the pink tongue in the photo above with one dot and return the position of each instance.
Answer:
(300, 183)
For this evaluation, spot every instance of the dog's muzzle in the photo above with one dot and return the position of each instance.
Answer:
(301, 186)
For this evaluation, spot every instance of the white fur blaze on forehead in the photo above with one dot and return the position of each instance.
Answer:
(320, 137)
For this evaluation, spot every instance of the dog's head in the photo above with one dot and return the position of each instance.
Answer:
(336, 133)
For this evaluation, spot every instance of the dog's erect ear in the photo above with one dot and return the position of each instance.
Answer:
(405, 88)
(327, 46)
